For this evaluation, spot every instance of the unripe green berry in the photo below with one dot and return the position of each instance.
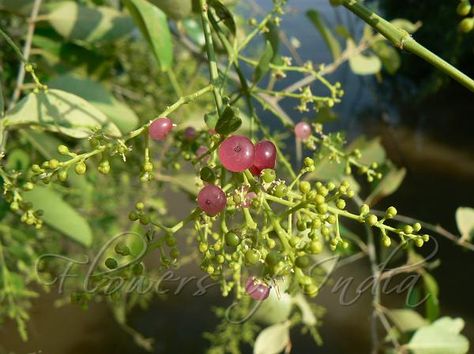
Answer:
(331, 219)
(62, 176)
(80, 168)
(371, 219)
(122, 249)
(302, 261)
(104, 167)
(53, 164)
(419, 242)
(464, 7)
(391, 212)
(111, 263)
(341, 203)
(308, 162)
(203, 247)
(466, 25)
(425, 237)
(319, 199)
(331, 186)
(271, 243)
(386, 241)
(305, 187)
(364, 209)
(311, 290)
(139, 206)
(36, 168)
(316, 223)
(416, 226)
(322, 208)
(63, 149)
(148, 166)
(273, 257)
(252, 256)
(232, 239)
(408, 229)
(144, 219)
(280, 190)
(28, 186)
(315, 247)
(268, 175)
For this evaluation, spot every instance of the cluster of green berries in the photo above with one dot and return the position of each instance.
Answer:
(465, 9)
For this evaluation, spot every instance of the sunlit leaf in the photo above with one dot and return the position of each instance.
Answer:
(406, 320)
(406, 25)
(60, 215)
(273, 339)
(441, 337)
(361, 64)
(307, 314)
(61, 112)
(325, 32)
(465, 222)
(96, 94)
(90, 24)
(388, 55)
(154, 28)
(276, 308)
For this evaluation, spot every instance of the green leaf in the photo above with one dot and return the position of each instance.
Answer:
(465, 222)
(60, 112)
(388, 55)
(273, 36)
(406, 25)
(371, 150)
(389, 184)
(175, 9)
(361, 64)
(441, 337)
(432, 292)
(229, 121)
(273, 339)
(223, 15)
(264, 63)
(211, 119)
(326, 33)
(154, 27)
(18, 160)
(60, 215)
(96, 94)
(90, 24)
(406, 320)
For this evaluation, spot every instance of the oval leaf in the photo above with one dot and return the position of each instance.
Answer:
(89, 24)
(154, 27)
(363, 64)
(465, 222)
(264, 63)
(61, 112)
(327, 35)
(406, 320)
(275, 309)
(441, 337)
(60, 215)
(229, 121)
(273, 339)
(95, 93)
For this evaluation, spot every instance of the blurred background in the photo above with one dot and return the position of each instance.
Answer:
(425, 122)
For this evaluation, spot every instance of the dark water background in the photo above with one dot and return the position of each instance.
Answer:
(429, 134)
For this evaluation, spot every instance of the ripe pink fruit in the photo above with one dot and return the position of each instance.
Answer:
(237, 153)
(212, 200)
(302, 130)
(257, 290)
(160, 128)
(265, 157)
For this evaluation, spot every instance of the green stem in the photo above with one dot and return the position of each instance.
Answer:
(402, 40)
(211, 55)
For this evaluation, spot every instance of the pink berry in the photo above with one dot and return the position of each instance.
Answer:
(265, 157)
(160, 128)
(237, 153)
(212, 200)
(190, 133)
(302, 130)
(257, 290)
